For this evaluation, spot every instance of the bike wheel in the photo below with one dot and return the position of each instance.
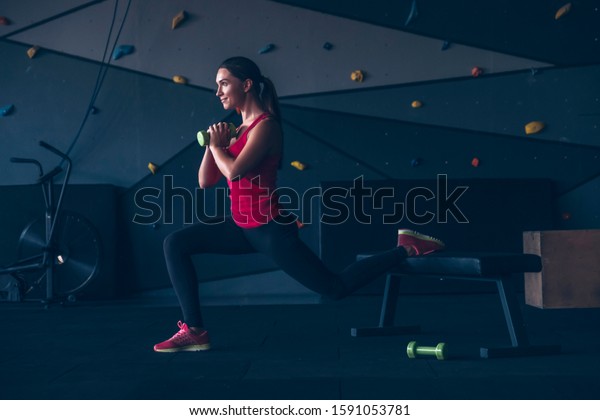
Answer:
(76, 249)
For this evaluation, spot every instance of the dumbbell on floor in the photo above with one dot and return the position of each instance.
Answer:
(204, 138)
(413, 350)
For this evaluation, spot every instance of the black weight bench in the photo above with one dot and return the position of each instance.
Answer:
(489, 267)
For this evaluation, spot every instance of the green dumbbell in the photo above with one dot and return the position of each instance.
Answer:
(413, 350)
(204, 138)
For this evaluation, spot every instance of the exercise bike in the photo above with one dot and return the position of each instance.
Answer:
(58, 255)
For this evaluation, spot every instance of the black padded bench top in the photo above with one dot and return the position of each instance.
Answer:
(471, 264)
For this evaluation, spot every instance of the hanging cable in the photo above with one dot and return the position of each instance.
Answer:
(104, 66)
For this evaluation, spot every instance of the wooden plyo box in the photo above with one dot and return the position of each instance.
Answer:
(570, 276)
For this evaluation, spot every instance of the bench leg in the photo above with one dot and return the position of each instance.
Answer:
(388, 314)
(512, 312)
(516, 327)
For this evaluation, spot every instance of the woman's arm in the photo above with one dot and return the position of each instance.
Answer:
(208, 172)
(264, 139)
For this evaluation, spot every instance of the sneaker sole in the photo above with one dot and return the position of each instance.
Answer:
(202, 347)
(418, 235)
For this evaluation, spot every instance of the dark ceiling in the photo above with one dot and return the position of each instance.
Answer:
(523, 28)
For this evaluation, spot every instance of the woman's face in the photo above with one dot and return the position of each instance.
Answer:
(230, 89)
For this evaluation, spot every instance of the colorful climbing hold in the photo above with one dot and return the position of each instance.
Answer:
(534, 127)
(180, 80)
(357, 76)
(476, 71)
(122, 50)
(178, 19)
(4, 20)
(31, 52)
(6, 110)
(153, 167)
(563, 11)
(298, 165)
(267, 48)
(475, 162)
(415, 162)
(416, 104)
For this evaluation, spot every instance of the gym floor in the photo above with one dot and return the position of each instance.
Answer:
(103, 350)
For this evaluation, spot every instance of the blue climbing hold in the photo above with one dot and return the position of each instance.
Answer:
(6, 110)
(267, 48)
(415, 162)
(122, 50)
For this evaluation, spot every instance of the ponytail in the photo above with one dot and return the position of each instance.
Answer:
(268, 97)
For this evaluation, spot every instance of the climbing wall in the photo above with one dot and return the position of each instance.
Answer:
(382, 90)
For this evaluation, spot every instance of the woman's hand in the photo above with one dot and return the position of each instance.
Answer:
(220, 136)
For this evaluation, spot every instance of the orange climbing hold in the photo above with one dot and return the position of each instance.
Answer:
(534, 127)
(178, 19)
(563, 11)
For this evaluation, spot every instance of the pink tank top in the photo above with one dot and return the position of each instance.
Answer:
(254, 201)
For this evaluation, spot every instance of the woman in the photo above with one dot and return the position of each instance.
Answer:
(250, 162)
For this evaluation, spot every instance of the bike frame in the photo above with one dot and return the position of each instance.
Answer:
(50, 219)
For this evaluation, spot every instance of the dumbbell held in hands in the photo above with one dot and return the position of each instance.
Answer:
(204, 137)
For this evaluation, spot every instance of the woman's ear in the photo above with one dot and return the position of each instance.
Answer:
(248, 83)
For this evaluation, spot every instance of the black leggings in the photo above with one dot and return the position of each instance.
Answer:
(279, 240)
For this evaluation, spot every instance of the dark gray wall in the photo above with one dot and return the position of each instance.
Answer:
(341, 132)
(140, 118)
(338, 146)
(565, 99)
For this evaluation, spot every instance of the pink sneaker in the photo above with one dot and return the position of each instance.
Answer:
(421, 244)
(184, 340)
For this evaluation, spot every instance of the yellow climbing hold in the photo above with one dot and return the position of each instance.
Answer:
(180, 79)
(357, 76)
(178, 19)
(31, 52)
(298, 165)
(153, 167)
(534, 127)
(416, 104)
(563, 11)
